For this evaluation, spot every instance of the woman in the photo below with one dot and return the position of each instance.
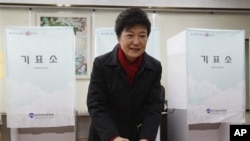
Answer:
(124, 97)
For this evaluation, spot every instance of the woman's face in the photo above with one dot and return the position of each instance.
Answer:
(133, 41)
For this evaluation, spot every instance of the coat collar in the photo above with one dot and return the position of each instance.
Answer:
(112, 60)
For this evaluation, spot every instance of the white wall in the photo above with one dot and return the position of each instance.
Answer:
(170, 23)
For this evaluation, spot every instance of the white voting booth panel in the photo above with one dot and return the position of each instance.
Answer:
(206, 84)
(40, 83)
(42, 134)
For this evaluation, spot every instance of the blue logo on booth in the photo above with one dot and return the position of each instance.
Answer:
(208, 110)
(31, 115)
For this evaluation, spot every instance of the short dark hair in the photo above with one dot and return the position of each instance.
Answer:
(131, 17)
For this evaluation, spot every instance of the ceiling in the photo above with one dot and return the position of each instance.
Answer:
(227, 4)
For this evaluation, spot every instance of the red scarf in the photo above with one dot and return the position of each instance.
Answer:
(130, 68)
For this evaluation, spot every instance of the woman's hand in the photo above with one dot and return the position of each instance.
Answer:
(120, 139)
(143, 140)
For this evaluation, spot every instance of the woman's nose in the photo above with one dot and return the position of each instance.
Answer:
(136, 40)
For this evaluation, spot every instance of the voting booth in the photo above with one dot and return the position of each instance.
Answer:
(205, 84)
(40, 83)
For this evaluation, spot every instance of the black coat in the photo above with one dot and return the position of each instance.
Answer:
(118, 108)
